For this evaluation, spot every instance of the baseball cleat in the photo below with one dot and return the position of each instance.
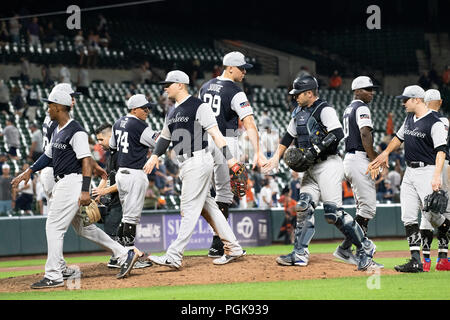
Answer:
(412, 266)
(426, 264)
(364, 261)
(227, 258)
(216, 250)
(71, 273)
(374, 265)
(443, 265)
(113, 263)
(47, 283)
(140, 264)
(126, 267)
(345, 255)
(294, 259)
(164, 261)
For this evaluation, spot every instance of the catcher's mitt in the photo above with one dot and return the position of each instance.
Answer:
(436, 202)
(90, 214)
(298, 160)
(238, 179)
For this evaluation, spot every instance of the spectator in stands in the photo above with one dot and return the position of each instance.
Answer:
(4, 98)
(25, 70)
(3, 160)
(424, 81)
(265, 197)
(169, 186)
(265, 120)
(25, 194)
(160, 175)
(6, 194)
(18, 101)
(171, 164)
(295, 184)
(93, 48)
(197, 74)
(46, 76)
(249, 195)
(388, 195)
(152, 195)
(49, 36)
(347, 193)
(335, 81)
(290, 217)
(14, 29)
(380, 187)
(390, 124)
(435, 80)
(41, 200)
(446, 76)
(256, 177)
(275, 190)
(64, 74)
(102, 23)
(37, 143)
(33, 31)
(83, 81)
(269, 141)
(32, 100)
(144, 74)
(80, 47)
(4, 34)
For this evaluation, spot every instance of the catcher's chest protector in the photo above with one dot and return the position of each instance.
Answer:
(308, 125)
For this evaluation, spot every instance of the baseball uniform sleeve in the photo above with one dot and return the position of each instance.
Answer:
(241, 105)
(148, 137)
(205, 116)
(439, 134)
(292, 128)
(445, 122)
(112, 141)
(165, 132)
(330, 119)
(401, 132)
(363, 117)
(80, 145)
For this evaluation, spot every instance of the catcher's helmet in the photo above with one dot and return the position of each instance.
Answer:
(304, 83)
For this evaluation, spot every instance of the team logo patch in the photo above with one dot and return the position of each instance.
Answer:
(245, 104)
(364, 116)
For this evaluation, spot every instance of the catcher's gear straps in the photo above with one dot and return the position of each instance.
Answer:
(344, 222)
(304, 229)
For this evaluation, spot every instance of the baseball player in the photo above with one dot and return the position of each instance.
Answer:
(107, 191)
(358, 126)
(46, 175)
(318, 131)
(229, 104)
(186, 127)
(425, 142)
(132, 137)
(433, 101)
(70, 155)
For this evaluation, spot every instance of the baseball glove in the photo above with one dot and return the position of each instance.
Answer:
(436, 202)
(298, 160)
(238, 180)
(90, 214)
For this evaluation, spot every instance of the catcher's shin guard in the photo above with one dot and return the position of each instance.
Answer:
(344, 222)
(128, 235)
(304, 229)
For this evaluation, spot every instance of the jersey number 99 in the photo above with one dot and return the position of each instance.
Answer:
(213, 101)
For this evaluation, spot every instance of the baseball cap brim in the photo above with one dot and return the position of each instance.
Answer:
(402, 97)
(369, 87)
(150, 105)
(49, 101)
(246, 66)
(165, 82)
(75, 94)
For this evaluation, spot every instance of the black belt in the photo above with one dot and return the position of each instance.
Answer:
(416, 164)
(60, 176)
(124, 171)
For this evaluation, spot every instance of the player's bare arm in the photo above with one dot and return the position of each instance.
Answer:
(86, 171)
(221, 143)
(250, 126)
(436, 182)
(382, 160)
(367, 141)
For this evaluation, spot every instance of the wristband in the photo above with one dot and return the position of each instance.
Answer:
(86, 184)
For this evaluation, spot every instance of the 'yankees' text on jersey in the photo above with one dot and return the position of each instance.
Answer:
(228, 102)
(186, 125)
(68, 146)
(47, 130)
(422, 136)
(132, 138)
(356, 116)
